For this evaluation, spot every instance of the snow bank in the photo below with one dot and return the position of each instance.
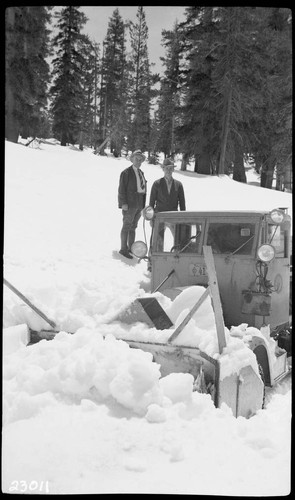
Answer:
(14, 338)
(79, 366)
(84, 413)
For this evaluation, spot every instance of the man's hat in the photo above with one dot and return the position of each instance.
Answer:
(137, 152)
(168, 162)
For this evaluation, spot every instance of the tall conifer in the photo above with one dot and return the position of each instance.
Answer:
(67, 89)
(169, 93)
(27, 71)
(141, 81)
(114, 84)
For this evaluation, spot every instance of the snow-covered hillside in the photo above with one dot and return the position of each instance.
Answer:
(84, 414)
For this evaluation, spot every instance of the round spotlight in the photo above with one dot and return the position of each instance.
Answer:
(266, 253)
(277, 216)
(148, 213)
(139, 249)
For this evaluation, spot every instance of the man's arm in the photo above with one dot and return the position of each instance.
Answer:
(153, 195)
(122, 191)
(181, 197)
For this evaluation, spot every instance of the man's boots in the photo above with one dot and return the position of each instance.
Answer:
(124, 249)
(131, 239)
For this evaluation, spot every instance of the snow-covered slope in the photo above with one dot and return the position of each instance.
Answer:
(84, 414)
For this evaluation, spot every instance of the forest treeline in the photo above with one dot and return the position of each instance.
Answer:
(224, 98)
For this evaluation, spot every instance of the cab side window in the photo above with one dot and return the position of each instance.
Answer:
(277, 237)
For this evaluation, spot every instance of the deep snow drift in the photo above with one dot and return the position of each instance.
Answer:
(84, 413)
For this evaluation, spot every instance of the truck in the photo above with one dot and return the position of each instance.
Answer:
(242, 259)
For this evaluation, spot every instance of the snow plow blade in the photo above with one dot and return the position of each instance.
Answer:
(147, 310)
(243, 392)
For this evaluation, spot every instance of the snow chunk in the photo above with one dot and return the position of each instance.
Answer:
(14, 338)
(82, 366)
(177, 386)
(136, 382)
(204, 316)
(155, 414)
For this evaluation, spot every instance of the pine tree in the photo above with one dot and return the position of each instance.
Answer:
(92, 82)
(89, 54)
(271, 125)
(155, 147)
(238, 98)
(114, 85)
(197, 133)
(141, 81)
(27, 71)
(169, 93)
(68, 100)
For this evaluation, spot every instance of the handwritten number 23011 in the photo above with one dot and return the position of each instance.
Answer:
(23, 486)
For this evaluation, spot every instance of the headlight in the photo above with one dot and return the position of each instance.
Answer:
(139, 249)
(266, 253)
(277, 216)
(148, 213)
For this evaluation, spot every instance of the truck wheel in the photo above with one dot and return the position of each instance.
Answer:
(261, 373)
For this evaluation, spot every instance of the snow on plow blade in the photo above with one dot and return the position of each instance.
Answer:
(242, 392)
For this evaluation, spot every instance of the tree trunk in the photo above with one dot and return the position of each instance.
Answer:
(204, 163)
(267, 172)
(11, 123)
(196, 165)
(81, 138)
(63, 141)
(183, 165)
(225, 131)
(97, 150)
(11, 126)
(239, 169)
(184, 161)
(288, 177)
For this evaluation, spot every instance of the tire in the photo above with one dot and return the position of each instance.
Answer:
(261, 373)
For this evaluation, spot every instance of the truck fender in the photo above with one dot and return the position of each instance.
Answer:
(261, 350)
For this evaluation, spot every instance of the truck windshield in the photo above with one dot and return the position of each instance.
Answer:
(178, 237)
(234, 237)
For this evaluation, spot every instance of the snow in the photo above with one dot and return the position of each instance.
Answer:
(85, 413)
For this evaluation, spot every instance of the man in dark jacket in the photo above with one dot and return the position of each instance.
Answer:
(167, 194)
(131, 199)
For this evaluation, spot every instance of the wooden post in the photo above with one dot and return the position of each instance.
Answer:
(213, 285)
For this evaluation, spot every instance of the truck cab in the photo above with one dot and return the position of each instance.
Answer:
(252, 258)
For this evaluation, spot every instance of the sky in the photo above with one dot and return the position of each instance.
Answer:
(85, 413)
(157, 19)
